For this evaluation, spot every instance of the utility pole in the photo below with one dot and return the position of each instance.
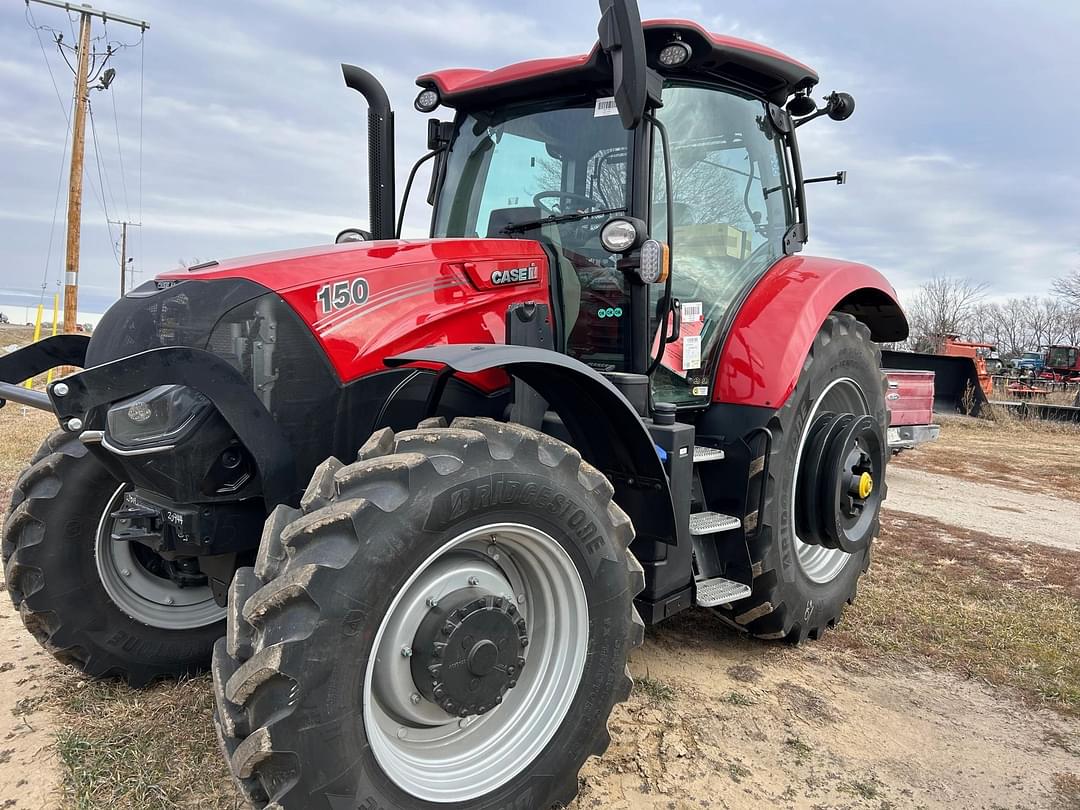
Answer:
(78, 141)
(75, 184)
(123, 252)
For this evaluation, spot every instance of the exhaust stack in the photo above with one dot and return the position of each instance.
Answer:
(380, 150)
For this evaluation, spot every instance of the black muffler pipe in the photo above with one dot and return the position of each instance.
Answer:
(380, 150)
(9, 392)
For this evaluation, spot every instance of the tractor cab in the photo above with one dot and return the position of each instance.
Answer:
(562, 172)
(684, 155)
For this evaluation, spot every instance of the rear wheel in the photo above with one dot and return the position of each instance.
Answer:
(109, 608)
(445, 621)
(826, 483)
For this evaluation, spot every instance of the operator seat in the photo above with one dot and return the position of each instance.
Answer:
(569, 283)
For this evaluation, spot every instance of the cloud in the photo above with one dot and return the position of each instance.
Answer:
(917, 215)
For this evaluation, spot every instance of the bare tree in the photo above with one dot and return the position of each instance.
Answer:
(944, 305)
(1068, 287)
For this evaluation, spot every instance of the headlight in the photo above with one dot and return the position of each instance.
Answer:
(156, 416)
(675, 54)
(427, 101)
(622, 234)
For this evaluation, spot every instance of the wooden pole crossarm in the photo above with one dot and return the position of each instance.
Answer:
(93, 12)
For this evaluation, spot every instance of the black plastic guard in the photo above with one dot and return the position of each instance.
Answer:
(208, 374)
(605, 427)
(29, 361)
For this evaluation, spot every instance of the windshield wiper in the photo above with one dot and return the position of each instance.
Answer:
(554, 219)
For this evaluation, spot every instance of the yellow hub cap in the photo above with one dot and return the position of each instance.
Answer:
(866, 485)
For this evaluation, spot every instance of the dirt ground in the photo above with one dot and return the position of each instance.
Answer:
(896, 709)
(748, 726)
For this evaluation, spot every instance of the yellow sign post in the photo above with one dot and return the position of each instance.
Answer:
(37, 337)
(55, 324)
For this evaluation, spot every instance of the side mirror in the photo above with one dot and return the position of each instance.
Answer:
(352, 235)
(840, 106)
(622, 38)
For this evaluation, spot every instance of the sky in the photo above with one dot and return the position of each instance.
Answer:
(960, 155)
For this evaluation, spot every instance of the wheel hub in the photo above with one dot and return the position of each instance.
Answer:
(469, 651)
(837, 493)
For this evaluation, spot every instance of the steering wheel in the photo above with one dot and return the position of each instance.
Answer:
(563, 196)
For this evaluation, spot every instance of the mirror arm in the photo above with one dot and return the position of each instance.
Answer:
(840, 178)
(408, 188)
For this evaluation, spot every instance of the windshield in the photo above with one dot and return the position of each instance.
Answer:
(1062, 357)
(508, 170)
(731, 210)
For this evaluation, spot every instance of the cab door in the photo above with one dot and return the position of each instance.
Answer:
(731, 208)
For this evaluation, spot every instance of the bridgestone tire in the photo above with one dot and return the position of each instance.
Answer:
(289, 677)
(785, 602)
(52, 577)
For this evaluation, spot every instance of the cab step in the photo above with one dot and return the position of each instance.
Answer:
(712, 523)
(719, 591)
(703, 454)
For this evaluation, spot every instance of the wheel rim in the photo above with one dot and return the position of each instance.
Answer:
(438, 757)
(818, 563)
(144, 596)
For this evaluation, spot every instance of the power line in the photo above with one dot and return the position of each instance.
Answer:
(142, 85)
(120, 152)
(103, 177)
(56, 211)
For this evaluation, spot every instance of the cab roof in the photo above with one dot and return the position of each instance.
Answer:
(762, 70)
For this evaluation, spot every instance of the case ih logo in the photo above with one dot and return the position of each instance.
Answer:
(517, 275)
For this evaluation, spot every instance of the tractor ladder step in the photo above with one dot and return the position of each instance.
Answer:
(719, 591)
(703, 454)
(712, 523)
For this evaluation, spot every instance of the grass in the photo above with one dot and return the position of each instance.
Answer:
(802, 750)
(1006, 613)
(656, 690)
(739, 699)
(1067, 790)
(150, 750)
(1025, 454)
(738, 772)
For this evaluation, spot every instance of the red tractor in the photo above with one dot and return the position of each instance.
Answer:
(1062, 364)
(418, 499)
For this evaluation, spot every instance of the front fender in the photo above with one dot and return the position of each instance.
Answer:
(208, 374)
(605, 428)
(777, 323)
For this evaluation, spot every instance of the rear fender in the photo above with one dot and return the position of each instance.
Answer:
(775, 327)
(604, 426)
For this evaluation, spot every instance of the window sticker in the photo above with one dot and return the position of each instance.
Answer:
(605, 106)
(692, 312)
(691, 352)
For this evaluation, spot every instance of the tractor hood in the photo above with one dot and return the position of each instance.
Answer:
(366, 301)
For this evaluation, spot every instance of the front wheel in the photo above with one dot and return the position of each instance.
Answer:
(824, 489)
(446, 621)
(107, 607)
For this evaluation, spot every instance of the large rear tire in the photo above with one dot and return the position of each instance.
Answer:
(335, 688)
(801, 589)
(95, 603)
